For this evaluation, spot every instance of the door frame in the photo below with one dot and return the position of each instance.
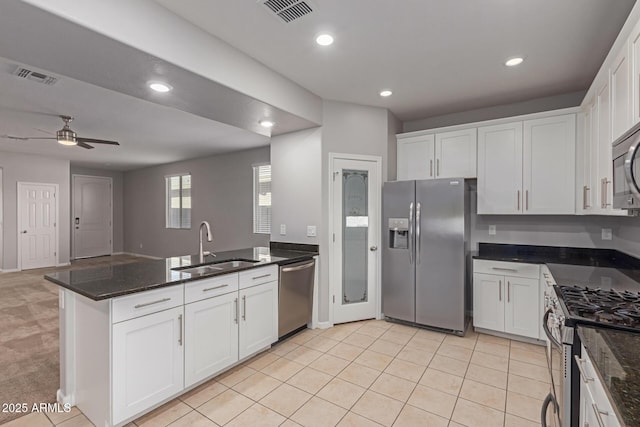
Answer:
(19, 219)
(72, 216)
(334, 282)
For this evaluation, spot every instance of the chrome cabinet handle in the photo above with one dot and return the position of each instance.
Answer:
(297, 268)
(599, 414)
(411, 233)
(585, 189)
(504, 269)
(499, 290)
(526, 199)
(583, 375)
(518, 200)
(430, 167)
(237, 306)
(261, 277)
(418, 244)
(244, 308)
(508, 291)
(215, 287)
(146, 304)
(606, 192)
(180, 329)
(437, 167)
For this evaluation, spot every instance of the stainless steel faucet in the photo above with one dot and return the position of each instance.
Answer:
(201, 253)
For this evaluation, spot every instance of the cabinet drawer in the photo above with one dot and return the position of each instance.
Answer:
(516, 269)
(147, 302)
(257, 276)
(596, 388)
(207, 288)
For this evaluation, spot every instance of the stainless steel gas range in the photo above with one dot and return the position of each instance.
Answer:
(578, 294)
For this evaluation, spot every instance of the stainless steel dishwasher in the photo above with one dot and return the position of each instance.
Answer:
(295, 297)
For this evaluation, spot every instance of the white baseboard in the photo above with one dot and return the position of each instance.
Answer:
(63, 399)
(63, 264)
(139, 255)
(9, 270)
(321, 325)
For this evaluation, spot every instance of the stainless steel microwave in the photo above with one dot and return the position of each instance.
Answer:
(626, 170)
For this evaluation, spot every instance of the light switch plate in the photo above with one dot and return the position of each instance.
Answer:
(606, 234)
(283, 229)
(311, 231)
(492, 230)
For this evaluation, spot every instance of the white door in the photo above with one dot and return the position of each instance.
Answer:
(211, 337)
(356, 191)
(37, 222)
(147, 362)
(92, 212)
(456, 154)
(488, 301)
(258, 318)
(416, 157)
(549, 158)
(522, 316)
(500, 169)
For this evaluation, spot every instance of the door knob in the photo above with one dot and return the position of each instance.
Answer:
(373, 248)
(24, 231)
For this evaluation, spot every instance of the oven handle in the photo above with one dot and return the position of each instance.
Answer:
(628, 167)
(545, 407)
(547, 331)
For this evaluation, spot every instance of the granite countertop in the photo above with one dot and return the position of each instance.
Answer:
(117, 280)
(616, 357)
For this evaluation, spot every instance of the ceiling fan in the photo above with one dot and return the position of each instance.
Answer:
(66, 136)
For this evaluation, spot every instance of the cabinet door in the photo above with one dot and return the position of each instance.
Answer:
(211, 337)
(603, 149)
(549, 165)
(620, 94)
(147, 361)
(522, 316)
(634, 42)
(500, 169)
(416, 157)
(584, 172)
(259, 318)
(456, 154)
(488, 301)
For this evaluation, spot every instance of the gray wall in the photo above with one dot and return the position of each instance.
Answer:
(117, 179)
(626, 234)
(394, 126)
(30, 168)
(296, 187)
(222, 194)
(571, 99)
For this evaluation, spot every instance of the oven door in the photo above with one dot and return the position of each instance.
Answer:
(553, 407)
(626, 173)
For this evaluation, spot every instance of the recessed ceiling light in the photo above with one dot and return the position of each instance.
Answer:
(266, 123)
(160, 87)
(512, 62)
(324, 39)
(385, 93)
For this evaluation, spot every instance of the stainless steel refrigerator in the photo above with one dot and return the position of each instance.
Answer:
(425, 253)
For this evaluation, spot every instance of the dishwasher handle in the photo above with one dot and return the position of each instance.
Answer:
(298, 267)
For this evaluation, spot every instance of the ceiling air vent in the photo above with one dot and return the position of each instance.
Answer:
(289, 10)
(35, 76)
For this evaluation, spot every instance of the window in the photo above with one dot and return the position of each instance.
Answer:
(178, 201)
(262, 199)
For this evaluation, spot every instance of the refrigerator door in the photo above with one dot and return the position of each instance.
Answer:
(440, 253)
(398, 241)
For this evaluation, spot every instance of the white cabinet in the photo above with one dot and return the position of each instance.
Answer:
(595, 407)
(147, 364)
(527, 167)
(259, 318)
(440, 155)
(584, 152)
(211, 336)
(506, 297)
(620, 94)
(500, 168)
(603, 166)
(634, 47)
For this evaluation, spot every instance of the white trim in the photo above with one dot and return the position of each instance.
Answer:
(73, 193)
(63, 264)
(177, 174)
(166, 202)
(332, 261)
(139, 255)
(9, 270)
(323, 325)
(463, 126)
(57, 221)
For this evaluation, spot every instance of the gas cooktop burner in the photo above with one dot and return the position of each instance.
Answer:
(603, 306)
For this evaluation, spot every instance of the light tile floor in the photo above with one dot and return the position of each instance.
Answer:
(367, 373)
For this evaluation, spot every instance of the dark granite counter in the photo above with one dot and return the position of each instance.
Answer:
(117, 280)
(616, 357)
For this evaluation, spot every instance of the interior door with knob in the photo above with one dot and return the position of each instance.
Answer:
(92, 216)
(356, 191)
(37, 225)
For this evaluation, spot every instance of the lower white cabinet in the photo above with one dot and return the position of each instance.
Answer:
(521, 315)
(211, 337)
(595, 407)
(488, 306)
(147, 361)
(259, 318)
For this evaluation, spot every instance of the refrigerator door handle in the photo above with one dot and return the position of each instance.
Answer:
(418, 245)
(411, 233)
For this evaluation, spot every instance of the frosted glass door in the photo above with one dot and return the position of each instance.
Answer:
(355, 227)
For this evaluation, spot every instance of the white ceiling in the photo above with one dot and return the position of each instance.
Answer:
(437, 56)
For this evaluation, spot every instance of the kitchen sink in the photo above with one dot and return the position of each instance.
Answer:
(216, 266)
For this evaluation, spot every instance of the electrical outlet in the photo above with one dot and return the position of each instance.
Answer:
(283, 229)
(140, 245)
(311, 231)
(492, 230)
(606, 234)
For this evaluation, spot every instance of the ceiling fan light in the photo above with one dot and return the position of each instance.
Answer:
(66, 137)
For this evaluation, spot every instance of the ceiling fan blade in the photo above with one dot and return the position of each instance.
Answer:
(84, 145)
(97, 141)
(25, 138)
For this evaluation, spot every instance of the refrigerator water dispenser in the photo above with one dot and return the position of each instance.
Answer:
(398, 233)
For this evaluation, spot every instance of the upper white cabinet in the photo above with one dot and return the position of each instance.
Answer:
(584, 152)
(634, 47)
(527, 167)
(500, 169)
(441, 155)
(620, 94)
